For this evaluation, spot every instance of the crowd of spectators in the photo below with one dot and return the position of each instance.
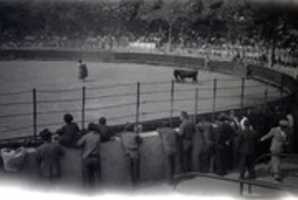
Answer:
(220, 144)
(217, 46)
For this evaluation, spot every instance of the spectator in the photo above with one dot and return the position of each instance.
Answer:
(199, 146)
(235, 124)
(223, 146)
(247, 150)
(104, 130)
(186, 132)
(279, 138)
(168, 138)
(49, 155)
(91, 167)
(69, 133)
(291, 136)
(208, 151)
(130, 141)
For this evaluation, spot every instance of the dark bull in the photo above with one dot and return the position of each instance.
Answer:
(180, 75)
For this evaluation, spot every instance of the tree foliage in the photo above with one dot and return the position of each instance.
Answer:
(234, 19)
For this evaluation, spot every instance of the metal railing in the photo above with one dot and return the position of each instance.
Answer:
(250, 182)
(31, 111)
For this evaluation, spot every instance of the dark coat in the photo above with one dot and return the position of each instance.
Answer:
(69, 134)
(105, 132)
(48, 156)
(247, 142)
(187, 131)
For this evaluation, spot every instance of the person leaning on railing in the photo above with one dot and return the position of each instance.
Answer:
(206, 156)
(130, 141)
(105, 131)
(91, 164)
(49, 155)
(186, 132)
(223, 145)
(168, 138)
(279, 139)
(69, 133)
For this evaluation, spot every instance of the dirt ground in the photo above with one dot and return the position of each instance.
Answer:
(111, 92)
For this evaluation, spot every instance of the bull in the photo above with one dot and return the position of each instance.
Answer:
(180, 75)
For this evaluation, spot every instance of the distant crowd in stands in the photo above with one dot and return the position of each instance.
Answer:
(251, 49)
(217, 144)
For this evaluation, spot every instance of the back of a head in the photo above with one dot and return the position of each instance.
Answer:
(102, 121)
(129, 127)
(184, 115)
(46, 135)
(283, 123)
(138, 128)
(92, 127)
(68, 118)
(246, 123)
(223, 117)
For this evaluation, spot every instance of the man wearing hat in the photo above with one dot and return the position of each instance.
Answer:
(279, 140)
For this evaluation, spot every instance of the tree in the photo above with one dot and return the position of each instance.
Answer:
(169, 12)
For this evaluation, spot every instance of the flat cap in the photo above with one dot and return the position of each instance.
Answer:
(283, 123)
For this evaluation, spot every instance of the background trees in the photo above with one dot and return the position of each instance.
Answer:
(236, 20)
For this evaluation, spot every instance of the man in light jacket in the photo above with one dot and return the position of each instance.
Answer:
(278, 142)
(131, 140)
(90, 144)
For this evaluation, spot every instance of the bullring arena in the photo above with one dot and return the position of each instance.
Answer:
(38, 87)
(111, 91)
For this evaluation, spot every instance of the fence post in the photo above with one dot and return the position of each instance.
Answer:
(172, 102)
(138, 107)
(34, 113)
(196, 104)
(83, 107)
(242, 92)
(214, 98)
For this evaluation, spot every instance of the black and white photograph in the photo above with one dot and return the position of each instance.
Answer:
(149, 98)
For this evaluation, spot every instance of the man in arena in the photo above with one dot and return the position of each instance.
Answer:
(83, 70)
